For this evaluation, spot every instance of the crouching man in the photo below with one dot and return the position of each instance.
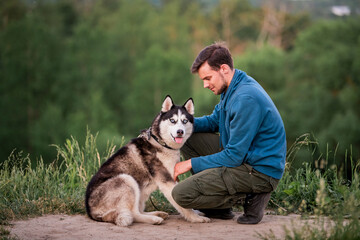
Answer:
(239, 150)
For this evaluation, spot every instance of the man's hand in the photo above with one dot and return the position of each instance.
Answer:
(181, 167)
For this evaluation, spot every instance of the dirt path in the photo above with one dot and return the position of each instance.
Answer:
(81, 227)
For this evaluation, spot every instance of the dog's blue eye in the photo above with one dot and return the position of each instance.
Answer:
(172, 120)
(185, 121)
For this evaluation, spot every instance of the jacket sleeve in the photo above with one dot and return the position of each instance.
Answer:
(245, 117)
(208, 123)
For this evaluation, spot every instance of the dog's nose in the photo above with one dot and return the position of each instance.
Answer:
(180, 132)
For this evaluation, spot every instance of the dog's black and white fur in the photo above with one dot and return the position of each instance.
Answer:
(118, 191)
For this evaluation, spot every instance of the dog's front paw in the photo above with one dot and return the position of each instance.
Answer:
(157, 220)
(198, 219)
(198, 212)
(204, 219)
(163, 215)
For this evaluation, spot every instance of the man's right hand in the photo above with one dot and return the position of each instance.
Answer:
(181, 167)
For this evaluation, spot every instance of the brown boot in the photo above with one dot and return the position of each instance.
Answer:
(254, 207)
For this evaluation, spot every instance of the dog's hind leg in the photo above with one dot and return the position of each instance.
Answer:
(163, 215)
(113, 201)
(147, 218)
(138, 216)
(109, 216)
(124, 218)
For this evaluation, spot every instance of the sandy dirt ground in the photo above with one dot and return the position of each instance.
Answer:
(81, 227)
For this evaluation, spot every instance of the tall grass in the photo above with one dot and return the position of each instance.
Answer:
(298, 190)
(59, 187)
(336, 209)
(327, 194)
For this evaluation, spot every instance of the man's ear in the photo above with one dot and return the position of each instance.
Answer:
(189, 106)
(167, 104)
(224, 68)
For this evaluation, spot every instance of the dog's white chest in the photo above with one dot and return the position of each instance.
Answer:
(169, 159)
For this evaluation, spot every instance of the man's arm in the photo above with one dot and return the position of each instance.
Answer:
(245, 119)
(181, 167)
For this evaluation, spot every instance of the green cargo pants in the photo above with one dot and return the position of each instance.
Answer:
(217, 188)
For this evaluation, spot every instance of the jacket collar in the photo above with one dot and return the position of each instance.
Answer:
(237, 78)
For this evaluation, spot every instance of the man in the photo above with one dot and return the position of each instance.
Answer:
(247, 158)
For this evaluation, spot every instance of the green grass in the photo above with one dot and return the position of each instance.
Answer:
(323, 193)
(4, 232)
(299, 191)
(59, 187)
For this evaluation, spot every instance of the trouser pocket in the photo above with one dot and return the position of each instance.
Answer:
(262, 182)
(228, 180)
(245, 179)
(210, 182)
(237, 179)
(274, 183)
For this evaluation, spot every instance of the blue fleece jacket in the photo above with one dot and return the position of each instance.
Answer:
(251, 129)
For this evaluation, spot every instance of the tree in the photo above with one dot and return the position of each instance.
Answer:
(28, 61)
(324, 86)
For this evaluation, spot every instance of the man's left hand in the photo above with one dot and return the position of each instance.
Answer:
(181, 167)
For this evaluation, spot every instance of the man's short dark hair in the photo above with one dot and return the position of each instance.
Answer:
(215, 55)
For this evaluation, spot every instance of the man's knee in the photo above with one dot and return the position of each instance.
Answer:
(182, 195)
(176, 194)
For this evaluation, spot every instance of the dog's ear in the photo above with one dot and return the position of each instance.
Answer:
(167, 104)
(189, 106)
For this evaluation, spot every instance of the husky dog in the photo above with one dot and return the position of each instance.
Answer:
(118, 191)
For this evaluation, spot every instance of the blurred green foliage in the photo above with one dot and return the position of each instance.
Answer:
(66, 66)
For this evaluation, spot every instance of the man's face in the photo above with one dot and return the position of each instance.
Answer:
(213, 80)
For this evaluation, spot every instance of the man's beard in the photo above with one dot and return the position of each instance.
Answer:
(222, 89)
